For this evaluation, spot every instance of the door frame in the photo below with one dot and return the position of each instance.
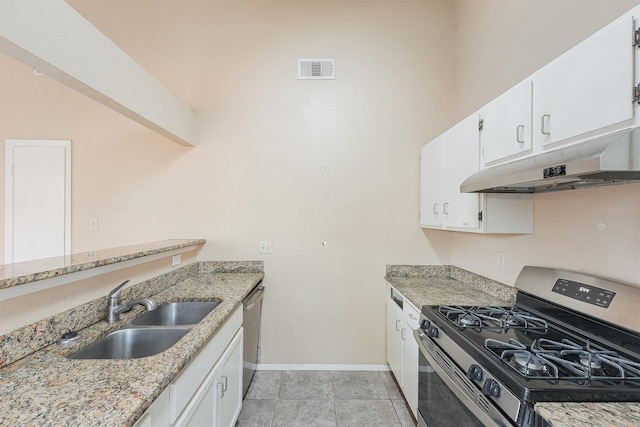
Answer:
(10, 144)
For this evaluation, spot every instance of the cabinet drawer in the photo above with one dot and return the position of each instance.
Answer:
(411, 315)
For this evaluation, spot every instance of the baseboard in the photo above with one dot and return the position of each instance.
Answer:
(314, 367)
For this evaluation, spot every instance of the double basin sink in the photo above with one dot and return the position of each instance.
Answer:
(152, 333)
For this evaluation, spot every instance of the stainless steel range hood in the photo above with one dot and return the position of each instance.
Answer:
(607, 160)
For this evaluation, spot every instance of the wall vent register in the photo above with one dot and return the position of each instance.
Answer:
(316, 69)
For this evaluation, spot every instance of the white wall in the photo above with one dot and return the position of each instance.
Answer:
(294, 162)
(510, 40)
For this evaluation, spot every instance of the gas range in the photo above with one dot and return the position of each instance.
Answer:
(566, 339)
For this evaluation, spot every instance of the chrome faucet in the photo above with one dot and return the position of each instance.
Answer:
(115, 308)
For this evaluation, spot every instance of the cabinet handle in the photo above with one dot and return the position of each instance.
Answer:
(435, 208)
(544, 121)
(445, 209)
(225, 383)
(403, 334)
(520, 134)
(397, 325)
(412, 317)
(220, 390)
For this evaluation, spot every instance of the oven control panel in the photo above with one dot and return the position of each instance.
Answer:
(582, 292)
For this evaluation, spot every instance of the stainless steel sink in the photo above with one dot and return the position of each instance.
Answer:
(152, 333)
(132, 343)
(177, 313)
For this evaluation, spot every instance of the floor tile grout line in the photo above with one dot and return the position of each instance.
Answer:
(387, 386)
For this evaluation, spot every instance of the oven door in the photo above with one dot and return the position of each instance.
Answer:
(446, 398)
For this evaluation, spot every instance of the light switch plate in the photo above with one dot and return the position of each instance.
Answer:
(265, 247)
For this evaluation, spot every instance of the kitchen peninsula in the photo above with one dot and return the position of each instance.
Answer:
(39, 385)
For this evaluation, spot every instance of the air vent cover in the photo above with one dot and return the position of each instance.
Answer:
(316, 68)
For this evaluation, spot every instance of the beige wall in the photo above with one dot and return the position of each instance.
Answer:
(295, 162)
(304, 162)
(498, 43)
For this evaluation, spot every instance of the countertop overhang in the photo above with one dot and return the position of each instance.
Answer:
(48, 389)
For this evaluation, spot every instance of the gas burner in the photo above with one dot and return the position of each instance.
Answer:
(492, 317)
(461, 317)
(512, 318)
(517, 356)
(588, 362)
(528, 362)
(468, 319)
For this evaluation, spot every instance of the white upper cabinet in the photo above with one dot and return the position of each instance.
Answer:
(461, 159)
(431, 184)
(506, 125)
(587, 89)
(446, 162)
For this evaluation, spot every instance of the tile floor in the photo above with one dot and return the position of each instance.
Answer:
(324, 398)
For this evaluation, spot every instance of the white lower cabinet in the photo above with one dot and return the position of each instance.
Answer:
(402, 350)
(208, 391)
(394, 340)
(157, 415)
(229, 384)
(218, 401)
(410, 350)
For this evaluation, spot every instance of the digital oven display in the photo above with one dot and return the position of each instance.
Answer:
(586, 293)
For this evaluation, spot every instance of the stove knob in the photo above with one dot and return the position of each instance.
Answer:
(432, 332)
(491, 388)
(475, 373)
(425, 324)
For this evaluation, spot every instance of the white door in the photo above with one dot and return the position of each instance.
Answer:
(37, 199)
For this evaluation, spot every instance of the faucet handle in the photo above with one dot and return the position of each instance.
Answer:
(116, 292)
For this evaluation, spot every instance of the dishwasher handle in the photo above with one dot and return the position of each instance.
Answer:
(254, 298)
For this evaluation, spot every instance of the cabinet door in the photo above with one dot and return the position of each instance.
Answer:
(228, 386)
(200, 411)
(431, 184)
(461, 159)
(506, 124)
(394, 341)
(586, 89)
(157, 415)
(410, 357)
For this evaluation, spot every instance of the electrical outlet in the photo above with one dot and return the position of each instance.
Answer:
(500, 260)
(265, 247)
(175, 260)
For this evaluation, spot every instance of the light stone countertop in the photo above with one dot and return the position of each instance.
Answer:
(590, 414)
(449, 285)
(46, 388)
(21, 273)
(442, 285)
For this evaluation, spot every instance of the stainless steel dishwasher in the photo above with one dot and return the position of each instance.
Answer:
(251, 323)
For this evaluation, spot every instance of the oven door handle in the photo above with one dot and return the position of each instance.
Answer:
(456, 384)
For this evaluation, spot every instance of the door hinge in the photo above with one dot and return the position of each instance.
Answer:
(480, 216)
(636, 93)
(636, 37)
(481, 124)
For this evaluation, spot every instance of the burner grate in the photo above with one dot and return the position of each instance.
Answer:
(563, 360)
(495, 318)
